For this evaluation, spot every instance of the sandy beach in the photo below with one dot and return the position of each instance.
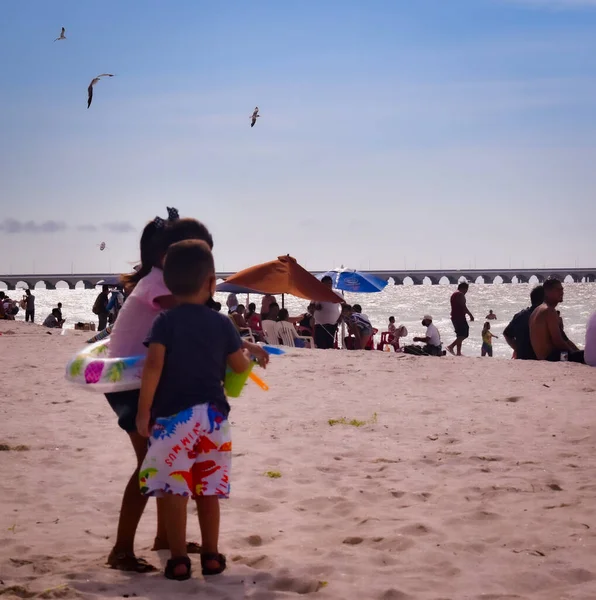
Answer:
(358, 475)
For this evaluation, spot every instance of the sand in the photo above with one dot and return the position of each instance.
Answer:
(460, 478)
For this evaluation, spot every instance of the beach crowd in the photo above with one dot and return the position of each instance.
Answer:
(177, 422)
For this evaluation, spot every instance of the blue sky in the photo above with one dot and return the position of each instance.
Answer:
(397, 132)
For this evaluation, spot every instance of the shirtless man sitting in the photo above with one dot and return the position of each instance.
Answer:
(548, 340)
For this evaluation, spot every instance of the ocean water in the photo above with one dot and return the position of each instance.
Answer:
(407, 303)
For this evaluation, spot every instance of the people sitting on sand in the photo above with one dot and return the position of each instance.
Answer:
(359, 328)
(9, 307)
(491, 316)
(459, 311)
(231, 302)
(517, 333)
(266, 303)
(269, 324)
(53, 321)
(2, 313)
(287, 331)
(306, 324)
(431, 339)
(395, 333)
(548, 340)
(253, 320)
(590, 351)
(238, 316)
(487, 341)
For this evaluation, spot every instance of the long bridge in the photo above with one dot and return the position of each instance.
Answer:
(399, 277)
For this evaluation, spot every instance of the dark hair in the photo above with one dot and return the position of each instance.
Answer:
(346, 307)
(59, 304)
(239, 307)
(187, 266)
(273, 305)
(551, 283)
(391, 319)
(252, 307)
(216, 306)
(2, 295)
(357, 308)
(463, 286)
(537, 295)
(157, 237)
(28, 292)
(283, 314)
(327, 278)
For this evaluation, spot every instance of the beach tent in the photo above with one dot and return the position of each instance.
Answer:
(281, 276)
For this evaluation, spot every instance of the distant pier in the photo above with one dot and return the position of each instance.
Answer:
(399, 277)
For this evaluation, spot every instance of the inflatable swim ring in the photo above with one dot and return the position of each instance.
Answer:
(92, 369)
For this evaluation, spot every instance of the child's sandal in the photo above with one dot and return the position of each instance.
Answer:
(213, 557)
(171, 565)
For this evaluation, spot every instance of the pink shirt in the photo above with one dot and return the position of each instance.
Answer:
(137, 315)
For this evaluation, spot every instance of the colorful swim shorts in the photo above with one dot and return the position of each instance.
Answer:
(190, 454)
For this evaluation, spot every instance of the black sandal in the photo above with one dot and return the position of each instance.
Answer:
(129, 562)
(208, 557)
(176, 562)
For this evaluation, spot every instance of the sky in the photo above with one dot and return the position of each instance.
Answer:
(393, 133)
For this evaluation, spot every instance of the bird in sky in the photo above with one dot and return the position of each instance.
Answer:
(255, 115)
(93, 82)
(62, 35)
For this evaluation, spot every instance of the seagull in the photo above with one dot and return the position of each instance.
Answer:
(93, 82)
(255, 115)
(62, 36)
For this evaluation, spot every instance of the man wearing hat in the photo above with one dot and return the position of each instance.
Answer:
(432, 340)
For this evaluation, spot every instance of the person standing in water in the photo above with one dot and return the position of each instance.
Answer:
(459, 310)
(487, 341)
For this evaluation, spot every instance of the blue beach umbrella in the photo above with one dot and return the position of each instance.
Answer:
(348, 280)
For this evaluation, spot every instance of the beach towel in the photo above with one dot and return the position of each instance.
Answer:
(190, 454)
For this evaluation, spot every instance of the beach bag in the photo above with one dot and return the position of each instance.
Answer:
(98, 306)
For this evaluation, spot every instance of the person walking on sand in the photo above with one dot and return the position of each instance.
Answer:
(547, 337)
(459, 310)
(487, 341)
(146, 296)
(29, 306)
(190, 347)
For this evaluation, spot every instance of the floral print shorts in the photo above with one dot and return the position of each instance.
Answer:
(190, 454)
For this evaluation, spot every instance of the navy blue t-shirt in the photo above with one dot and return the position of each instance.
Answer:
(198, 341)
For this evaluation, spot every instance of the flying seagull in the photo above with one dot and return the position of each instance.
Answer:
(93, 82)
(255, 115)
(62, 35)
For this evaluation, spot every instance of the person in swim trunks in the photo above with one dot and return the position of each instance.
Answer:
(183, 408)
(459, 310)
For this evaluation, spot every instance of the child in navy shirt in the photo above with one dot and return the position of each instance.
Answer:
(183, 408)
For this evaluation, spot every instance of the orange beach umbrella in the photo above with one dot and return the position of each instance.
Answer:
(281, 276)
